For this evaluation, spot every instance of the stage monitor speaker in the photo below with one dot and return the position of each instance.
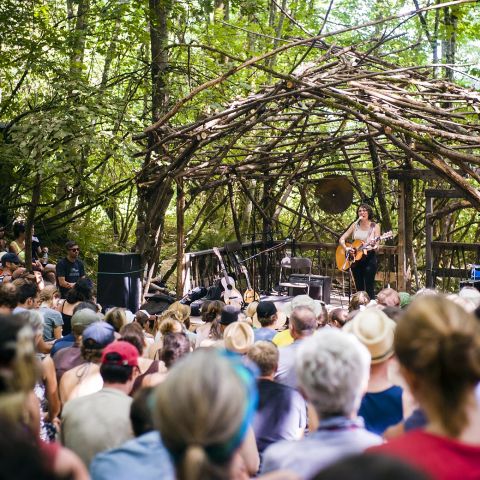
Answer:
(470, 283)
(119, 280)
(319, 286)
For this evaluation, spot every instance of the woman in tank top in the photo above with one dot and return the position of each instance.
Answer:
(364, 229)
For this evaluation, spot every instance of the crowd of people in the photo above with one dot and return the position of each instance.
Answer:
(298, 390)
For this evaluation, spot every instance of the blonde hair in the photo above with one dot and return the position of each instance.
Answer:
(265, 355)
(198, 415)
(169, 325)
(116, 318)
(47, 294)
(20, 369)
(439, 342)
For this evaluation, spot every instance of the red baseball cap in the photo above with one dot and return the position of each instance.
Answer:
(120, 353)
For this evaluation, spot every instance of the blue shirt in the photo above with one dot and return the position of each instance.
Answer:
(264, 333)
(64, 342)
(381, 410)
(144, 457)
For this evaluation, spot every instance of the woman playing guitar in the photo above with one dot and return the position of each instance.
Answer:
(366, 230)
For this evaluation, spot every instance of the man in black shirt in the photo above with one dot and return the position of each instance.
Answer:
(69, 269)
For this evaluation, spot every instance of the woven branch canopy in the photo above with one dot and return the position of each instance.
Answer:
(326, 117)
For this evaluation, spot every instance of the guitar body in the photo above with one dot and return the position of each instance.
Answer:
(230, 295)
(250, 296)
(344, 261)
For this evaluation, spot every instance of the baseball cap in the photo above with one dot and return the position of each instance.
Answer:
(82, 319)
(266, 309)
(98, 334)
(229, 315)
(120, 353)
(10, 257)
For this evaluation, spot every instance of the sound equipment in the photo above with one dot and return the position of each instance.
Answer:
(319, 286)
(475, 272)
(119, 280)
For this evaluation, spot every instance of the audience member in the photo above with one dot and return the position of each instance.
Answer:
(388, 297)
(27, 297)
(10, 263)
(8, 298)
(281, 413)
(211, 309)
(332, 368)
(52, 318)
(285, 338)
(303, 323)
(438, 346)
(100, 421)
(206, 433)
(70, 269)
(266, 314)
(117, 318)
(143, 457)
(69, 340)
(371, 467)
(337, 317)
(175, 346)
(382, 405)
(238, 337)
(358, 301)
(70, 356)
(228, 315)
(17, 246)
(86, 378)
(147, 367)
(82, 291)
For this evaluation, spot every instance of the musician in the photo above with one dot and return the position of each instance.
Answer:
(366, 230)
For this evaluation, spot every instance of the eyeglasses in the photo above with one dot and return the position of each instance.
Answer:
(74, 249)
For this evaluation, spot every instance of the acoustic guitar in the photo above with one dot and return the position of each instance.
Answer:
(250, 295)
(230, 295)
(360, 248)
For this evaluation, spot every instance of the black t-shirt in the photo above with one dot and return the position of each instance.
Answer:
(72, 271)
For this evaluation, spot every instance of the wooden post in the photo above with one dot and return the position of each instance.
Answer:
(402, 258)
(180, 236)
(428, 242)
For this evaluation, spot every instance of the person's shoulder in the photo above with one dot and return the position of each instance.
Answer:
(409, 441)
(275, 454)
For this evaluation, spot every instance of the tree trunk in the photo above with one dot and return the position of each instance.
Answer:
(30, 218)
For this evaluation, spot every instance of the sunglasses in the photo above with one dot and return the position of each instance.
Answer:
(74, 249)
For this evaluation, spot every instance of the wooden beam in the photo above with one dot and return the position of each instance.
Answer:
(416, 174)
(439, 193)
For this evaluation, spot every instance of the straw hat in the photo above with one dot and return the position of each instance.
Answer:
(376, 331)
(303, 301)
(238, 337)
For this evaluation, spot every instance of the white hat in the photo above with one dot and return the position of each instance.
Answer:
(375, 330)
(303, 301)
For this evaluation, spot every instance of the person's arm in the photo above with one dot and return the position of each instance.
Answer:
(61, 272)
(68, 465)
(249, 452)
(12, 248)
(57, 332)
(348, 233)
(51, 388)
(63, 283)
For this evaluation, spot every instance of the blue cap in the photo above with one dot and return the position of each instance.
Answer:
(98, 335)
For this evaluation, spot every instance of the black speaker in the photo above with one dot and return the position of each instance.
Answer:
(319, 286)
(119, 281)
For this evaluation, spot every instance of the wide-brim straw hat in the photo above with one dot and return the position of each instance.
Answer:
(238, 337)
(303, 301)
(376, 331)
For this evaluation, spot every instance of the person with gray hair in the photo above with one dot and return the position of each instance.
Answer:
(303, 323)
(332, 368)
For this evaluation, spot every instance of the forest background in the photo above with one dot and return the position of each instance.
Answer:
(80, 78)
